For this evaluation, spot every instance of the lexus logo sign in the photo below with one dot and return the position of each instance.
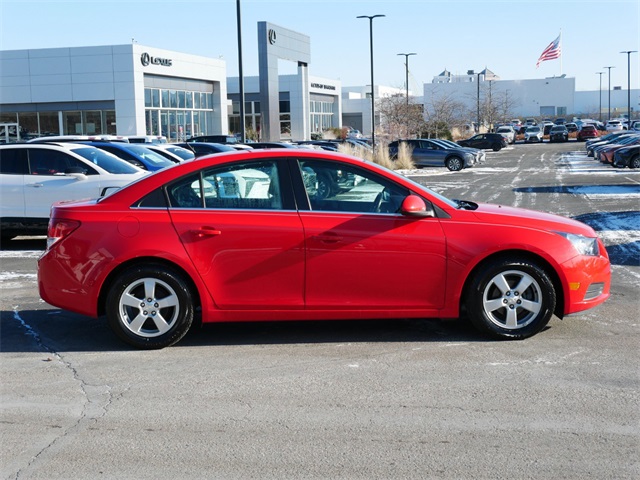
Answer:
(147, 60)
(272, 36)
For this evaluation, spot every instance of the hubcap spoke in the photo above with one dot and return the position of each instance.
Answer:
(512, 318)
(161, 324)
(525, 282)
(501, 282)
(149, 288)
(129, 300)
(493, 305)
(137, 323)
(533, 307)
(170, 301)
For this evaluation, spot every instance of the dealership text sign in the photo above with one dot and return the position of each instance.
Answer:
(147, 60)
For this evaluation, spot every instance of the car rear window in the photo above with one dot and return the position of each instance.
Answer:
(150, 156)
(105, 160)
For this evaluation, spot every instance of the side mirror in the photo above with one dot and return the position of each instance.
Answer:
(414, 206)
(77, 172)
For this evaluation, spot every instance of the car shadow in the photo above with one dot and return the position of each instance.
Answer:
(24, 243)
(612, 189)
(56, 331)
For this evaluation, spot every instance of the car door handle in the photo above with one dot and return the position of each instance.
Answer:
(35, 185)
(327, 238)
(206, 232)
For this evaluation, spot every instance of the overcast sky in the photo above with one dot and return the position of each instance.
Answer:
(505, 36)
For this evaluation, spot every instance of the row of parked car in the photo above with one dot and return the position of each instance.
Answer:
(35, 174)
(619, 149)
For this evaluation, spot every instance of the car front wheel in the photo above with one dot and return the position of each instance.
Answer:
(511, 298)
(635, 162)
(454, 164)
(150, 306)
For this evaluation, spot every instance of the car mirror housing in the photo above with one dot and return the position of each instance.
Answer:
(414, 206)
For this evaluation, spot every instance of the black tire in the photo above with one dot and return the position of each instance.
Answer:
(635, 162)
(150, 306)
(455, 164)
(512, 313)
(325, 186)
(496, 147)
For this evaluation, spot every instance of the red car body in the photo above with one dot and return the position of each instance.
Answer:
(587, 132)
(311, 258)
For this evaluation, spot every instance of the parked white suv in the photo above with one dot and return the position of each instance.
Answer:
(507, 132)
(615, 126)
(33, 176)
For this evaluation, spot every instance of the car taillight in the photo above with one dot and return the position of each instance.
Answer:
(60, 228)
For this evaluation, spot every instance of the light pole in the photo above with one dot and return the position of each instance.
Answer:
(478, 100)
(629, 52)
(243, 129)
(406, 56)
(373, 100)
(600, 111)
(609, 117)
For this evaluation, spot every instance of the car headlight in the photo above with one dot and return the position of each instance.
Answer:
(584, 245)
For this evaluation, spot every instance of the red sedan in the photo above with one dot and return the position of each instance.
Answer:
(308, 235)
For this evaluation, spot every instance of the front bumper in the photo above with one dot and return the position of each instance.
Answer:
(587, 281)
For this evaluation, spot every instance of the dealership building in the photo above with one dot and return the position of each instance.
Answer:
(119, 89)
(137, 90)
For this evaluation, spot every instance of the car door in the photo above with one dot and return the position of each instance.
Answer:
(478, 141)
(47, 182)
(240, 228)
(13, 169)
(425, 153)
(362, 254)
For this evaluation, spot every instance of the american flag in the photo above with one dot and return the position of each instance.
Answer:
(551, 52)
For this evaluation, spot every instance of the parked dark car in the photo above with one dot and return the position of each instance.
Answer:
(587, 132)
(627, 157)
(429, 153)
(494, 141)
(135, 154)
(558, 133)
(571, 127)
(225, 139)
(200, 149)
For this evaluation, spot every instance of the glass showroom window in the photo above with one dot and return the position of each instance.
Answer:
(49, 123)
(92, 121)
(28, 122)
(72, 123)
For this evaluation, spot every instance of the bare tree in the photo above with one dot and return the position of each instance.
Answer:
(443, 113)
(400, 118)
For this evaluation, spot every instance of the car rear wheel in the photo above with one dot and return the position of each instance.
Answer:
(455, 164)
(325, 186)
(635, 162)
(496, 147)
(511, 298)
(150, 306)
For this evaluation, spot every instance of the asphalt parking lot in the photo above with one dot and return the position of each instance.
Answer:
(354, 400)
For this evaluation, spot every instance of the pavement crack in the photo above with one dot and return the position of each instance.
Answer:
(97, 399)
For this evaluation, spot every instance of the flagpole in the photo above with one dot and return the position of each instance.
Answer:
(561, 52)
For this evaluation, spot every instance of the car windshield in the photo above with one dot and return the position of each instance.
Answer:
(105, 160)
(533, 129)
(150, 156)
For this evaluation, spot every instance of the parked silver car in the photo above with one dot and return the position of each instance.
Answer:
(533, 134)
